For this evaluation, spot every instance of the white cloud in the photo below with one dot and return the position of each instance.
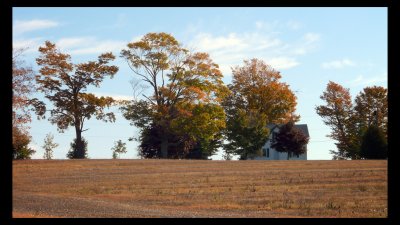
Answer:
(136, 38)
(231, 49)
(31, 44)
(338, 64)
(89, 45)
(206, 42)
(100, 47)
(67, 43)
(368, 81)
(31, 25)
(282, 62)
(311, 37)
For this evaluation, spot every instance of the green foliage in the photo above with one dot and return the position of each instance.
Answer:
(20, 147)
(48, 146)
(374, 144)
(118, 149)
(290, 139)
(257, 98)
(74, 153)
(183, 113)
(150, 142)
(247, 132)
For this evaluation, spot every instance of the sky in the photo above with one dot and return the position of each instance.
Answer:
(309, 46)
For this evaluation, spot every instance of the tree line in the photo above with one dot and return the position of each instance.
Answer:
(190, 112)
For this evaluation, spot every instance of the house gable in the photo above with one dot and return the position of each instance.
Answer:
(270, 153)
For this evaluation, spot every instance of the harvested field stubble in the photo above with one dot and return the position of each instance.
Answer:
(194, 188)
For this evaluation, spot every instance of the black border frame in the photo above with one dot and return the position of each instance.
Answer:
(393, 96)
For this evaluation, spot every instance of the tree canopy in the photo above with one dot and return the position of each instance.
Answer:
(349, 121)
(182, 109)
(257, 98)
(65, 85)
(22, 103)
(374, 144)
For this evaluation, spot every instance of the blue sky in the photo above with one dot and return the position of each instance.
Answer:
(310, 46)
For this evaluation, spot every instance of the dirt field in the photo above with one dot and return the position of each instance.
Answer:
(191, 188)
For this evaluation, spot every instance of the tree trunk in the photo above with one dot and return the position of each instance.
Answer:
(164, 147)
(80, 151)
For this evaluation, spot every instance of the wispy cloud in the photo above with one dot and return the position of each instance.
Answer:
(73, 42)
(282, 62)
(338, 64)
(89, 45)
(31, 25)
(100, 47)
(32, 44)
(231, 49)
(311, 37)
(207, 42)
(368, 81)
(306, 44)
(75, 45)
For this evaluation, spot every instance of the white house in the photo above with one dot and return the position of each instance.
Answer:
(269, 153)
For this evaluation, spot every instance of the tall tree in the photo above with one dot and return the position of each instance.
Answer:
(350, 121)
(290, 139)
(185, 87)
(338, 114)
(371, 108)
(374, 144)
(257, 98)
(48, 146)
(23, 87)
(65, 84)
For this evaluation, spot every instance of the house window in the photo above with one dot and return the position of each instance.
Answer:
(264, 152)
(267, 152)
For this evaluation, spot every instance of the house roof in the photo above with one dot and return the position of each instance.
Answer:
(302, 127)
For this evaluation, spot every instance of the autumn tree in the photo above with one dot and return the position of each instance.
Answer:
(48, 146)
(349, 121)
(182, 111)
(118, 149)
(338, 114)
(20, 147)
(371, 108)
(374, 144)
(22, 89)
(290, 139)
(65, 85)
(257, 99)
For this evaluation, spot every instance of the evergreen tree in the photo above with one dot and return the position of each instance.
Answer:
(374, 144)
